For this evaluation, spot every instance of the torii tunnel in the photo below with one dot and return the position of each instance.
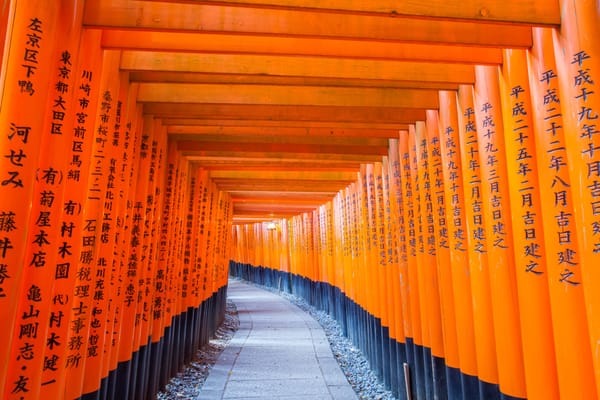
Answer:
(427, 172)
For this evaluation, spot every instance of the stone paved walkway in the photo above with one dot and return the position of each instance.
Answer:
(278, 353)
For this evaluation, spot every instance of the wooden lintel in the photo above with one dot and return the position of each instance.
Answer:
(214, 18)
(241, 79)
(293, 186)
(534, 12)
(201, 42)
(308, 127)
(278, 133)
(267, 66)
(282, 138)
(310, 113)
(363, 158)
(316, 149)
(291, 95)
(278, 199)
(272, 164)
(222, 176)
(240, 195)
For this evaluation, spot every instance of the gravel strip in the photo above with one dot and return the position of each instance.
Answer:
(187, 384)
(352, 362)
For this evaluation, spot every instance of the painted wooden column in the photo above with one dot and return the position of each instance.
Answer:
(28, 78)
(573, 362)
(477, 248)
(577, 53)
(456, 210)
(444, 266)
(528, 233)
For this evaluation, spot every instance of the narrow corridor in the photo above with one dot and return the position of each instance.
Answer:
(279, 352)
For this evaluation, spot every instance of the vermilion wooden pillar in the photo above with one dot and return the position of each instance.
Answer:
(477, 247)
(28, 65)
(577, 53)
(528, 233)
(456, 211)
(496, 208)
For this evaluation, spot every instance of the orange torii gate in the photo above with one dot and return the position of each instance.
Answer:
(431, 172)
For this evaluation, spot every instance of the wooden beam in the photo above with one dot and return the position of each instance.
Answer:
(280, 138)
(291, 95)
(278, 185)
(270, 164)
(257, 195)
(301, 46)
(311, 113)
(279, 199)
(193, 155)
(282, 175)
(535, 12)
(316, 128)
(315, 149)
(293, 66)
(306, 135)
(228, 79)
(267, 208)
(148, 15)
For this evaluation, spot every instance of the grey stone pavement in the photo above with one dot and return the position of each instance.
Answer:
(278, 353)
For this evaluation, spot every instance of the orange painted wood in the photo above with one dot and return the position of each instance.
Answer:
(396, 240)
(309, 113)
(264, 79)
(192, 155)
(100, 200)
(477, 246)
(453, 172)
(283, 175)
(578, 69)
(230, 43)
(242, 20)
(289, 95)
(71, 218)
(191, 146)
(283, 134)
(498, 227)
(23, 115)
(6, 22)
(574, 368)
(289, 127)
(429, 285)
(43, 246)
(407, 150)
(390, 272)
(441, 236)
(294, 66)
(280, 140)
(528, 234)
(529, 11)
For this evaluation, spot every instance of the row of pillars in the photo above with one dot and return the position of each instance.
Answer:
(113, 247)
(475, 243)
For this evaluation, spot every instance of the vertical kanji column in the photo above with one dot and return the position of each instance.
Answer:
(420, 332)
(444, 267)
(94, 265)
(28, 75)
(399, 248)
(43, 247)
(427, 267)
(477, 248)
(578, 68)
(528, 234)
(563, 254)
(496, 208)
(450, 153)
